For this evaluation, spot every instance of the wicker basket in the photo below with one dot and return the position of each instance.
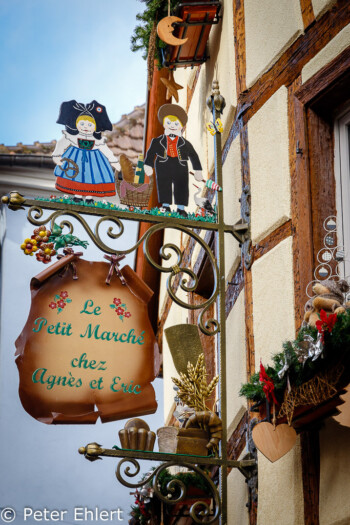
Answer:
(132, 197)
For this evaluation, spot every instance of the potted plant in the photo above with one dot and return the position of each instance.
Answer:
(148, 506)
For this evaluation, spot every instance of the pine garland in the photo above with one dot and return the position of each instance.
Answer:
(155, 10)
(336, 349)
(187, 478)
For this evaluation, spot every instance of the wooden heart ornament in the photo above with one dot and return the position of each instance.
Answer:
(274, 442)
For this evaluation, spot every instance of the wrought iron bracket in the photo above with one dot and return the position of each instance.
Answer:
(94, 451)
(252, 479)
(241, 230)
(200, 512)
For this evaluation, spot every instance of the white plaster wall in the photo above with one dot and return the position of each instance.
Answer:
(280, 490)
(334, 474)
(232, 256)
(196, 131)
(320, 6)
(236, 360)
(271, 26)
(182, 77)
(232, 188)
(222, 56)
(269, 166)
(237, 497)
(232, 183)
(340, 42)
(273, 301)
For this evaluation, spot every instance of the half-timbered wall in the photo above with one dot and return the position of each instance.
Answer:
(282, 66)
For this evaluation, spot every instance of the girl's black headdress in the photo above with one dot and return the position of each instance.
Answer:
(71, 110)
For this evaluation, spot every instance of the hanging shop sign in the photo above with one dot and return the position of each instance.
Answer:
(88, 349)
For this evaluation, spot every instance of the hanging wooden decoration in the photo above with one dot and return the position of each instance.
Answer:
(169, 154)
(274, 441)
(83, 160)
(87, 349)
(172, 86)
(165, 30)
(344, 410)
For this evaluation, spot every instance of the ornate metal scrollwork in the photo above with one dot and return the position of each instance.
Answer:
(200, 511)
(211, 327)
(189, 280)
(35, 214)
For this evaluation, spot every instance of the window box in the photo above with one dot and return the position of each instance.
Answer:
(198, 17)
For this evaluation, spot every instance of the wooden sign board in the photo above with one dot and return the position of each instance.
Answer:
(88, 349)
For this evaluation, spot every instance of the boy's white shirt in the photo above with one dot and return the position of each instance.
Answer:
(72, 140)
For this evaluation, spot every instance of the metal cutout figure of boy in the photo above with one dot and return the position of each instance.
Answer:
(169, 154)
(83, 160)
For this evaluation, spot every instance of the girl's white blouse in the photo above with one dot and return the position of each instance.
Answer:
(72, 140)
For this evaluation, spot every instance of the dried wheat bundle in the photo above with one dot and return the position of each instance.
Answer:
(193, 387)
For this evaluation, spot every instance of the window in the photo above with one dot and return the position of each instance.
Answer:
(342, 170)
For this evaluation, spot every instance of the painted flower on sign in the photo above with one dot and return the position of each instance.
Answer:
(60, 301)
(120, 308)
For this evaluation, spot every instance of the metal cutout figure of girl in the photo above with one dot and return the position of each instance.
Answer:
(83, 160)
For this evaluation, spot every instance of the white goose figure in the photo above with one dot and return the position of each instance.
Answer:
(202, 202)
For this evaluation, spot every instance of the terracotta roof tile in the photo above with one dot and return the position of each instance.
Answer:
(126, 137)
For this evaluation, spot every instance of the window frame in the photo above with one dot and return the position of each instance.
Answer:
(342, 176)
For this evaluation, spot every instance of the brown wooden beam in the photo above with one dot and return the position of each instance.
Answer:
(271, 240)
(324, 78)
(190, 91)
(153, 128)
(307, 12)
(234, 288)
(310, 460)
(240, 47)
(303, 260)
(322, 180)
(248, 287)
(237, 441)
